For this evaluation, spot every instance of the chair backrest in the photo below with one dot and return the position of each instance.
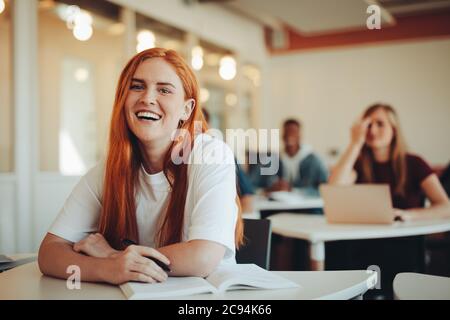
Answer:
(256, 248)
(417, 286)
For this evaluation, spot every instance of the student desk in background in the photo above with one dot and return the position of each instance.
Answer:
(315, 230)
(27, 282)
(416, 286)
(266, 207)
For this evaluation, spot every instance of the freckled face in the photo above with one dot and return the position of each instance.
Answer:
(380, 132)
(155, 102)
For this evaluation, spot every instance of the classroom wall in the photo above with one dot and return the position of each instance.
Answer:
(6, 128)
(329, 89)
(51, 186)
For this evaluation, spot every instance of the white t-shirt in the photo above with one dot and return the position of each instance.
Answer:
(292, 164)
(210, 210)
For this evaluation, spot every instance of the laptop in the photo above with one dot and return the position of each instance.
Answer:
(358, 204)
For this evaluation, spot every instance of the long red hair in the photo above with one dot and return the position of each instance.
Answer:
(124, 159)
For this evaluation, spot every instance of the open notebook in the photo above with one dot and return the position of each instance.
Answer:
(233, 277)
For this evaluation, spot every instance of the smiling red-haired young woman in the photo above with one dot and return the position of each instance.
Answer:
(184, 213)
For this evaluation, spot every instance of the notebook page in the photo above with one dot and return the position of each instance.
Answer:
(172, 287)
(286, 197)
(240, 276)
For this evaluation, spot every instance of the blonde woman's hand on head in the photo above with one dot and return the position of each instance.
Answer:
(94, 245)
(132, 265)
(343, 172)
(359, 131)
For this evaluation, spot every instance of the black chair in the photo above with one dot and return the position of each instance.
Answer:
(256, 247)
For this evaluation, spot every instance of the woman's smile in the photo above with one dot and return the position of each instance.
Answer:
(147, 116)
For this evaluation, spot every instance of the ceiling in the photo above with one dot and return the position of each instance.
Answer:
(314, 17)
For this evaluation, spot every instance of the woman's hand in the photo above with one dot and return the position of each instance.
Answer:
(132, 265)
(359, 132)
(94, 245)
(343, 172)
(406, 215)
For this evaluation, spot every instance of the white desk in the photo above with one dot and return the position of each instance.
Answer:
(317, 231)
(262, 203)
(27, 282)
(416, 286)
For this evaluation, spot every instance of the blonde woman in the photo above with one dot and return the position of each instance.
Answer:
(377, 154)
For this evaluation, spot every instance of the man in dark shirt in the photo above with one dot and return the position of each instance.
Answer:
(299, 166)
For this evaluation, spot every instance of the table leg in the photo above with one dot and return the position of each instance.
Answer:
(317, 256)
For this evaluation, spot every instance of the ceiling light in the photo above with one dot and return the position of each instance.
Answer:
(231, 99)
(81, 75)
(204, 95)
(227, 69)
(146, 40)
(2, 6)
(82, 32)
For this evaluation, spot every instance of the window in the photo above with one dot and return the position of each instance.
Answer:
(81, 48)
(153, 33)
(231, 103)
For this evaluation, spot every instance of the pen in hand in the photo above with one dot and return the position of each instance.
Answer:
(165, 267)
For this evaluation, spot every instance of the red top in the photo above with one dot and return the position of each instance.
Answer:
(417, 170)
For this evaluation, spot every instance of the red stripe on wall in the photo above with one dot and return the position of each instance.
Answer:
(412, 27)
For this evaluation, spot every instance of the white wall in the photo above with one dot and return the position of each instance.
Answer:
(329, 89)
(7, 213)
(50, 195)
(53, 189)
